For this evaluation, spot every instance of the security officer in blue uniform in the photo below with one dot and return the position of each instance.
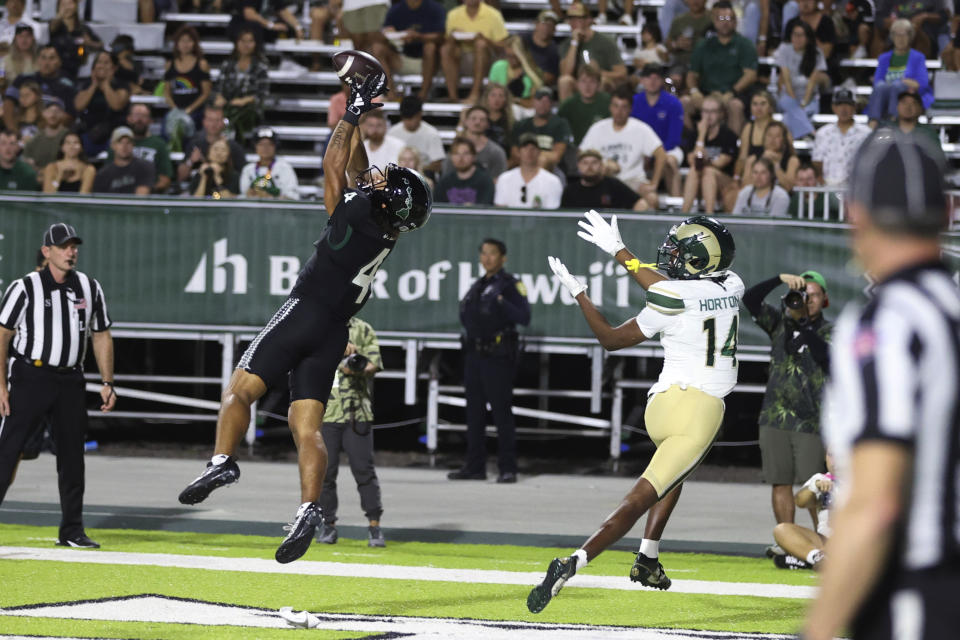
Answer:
(490, 313)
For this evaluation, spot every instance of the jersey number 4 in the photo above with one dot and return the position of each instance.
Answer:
(364, 277)
(729, 345)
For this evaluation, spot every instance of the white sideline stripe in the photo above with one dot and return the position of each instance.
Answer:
(395, 572)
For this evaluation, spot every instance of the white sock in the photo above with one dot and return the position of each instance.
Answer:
(220, 458)
(581, 557)
(650, 548)
(814, 557)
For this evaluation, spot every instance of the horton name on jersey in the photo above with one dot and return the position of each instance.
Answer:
(725, 302)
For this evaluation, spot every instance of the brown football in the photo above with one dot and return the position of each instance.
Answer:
(354, 67)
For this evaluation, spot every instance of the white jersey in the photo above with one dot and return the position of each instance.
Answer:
(698, 321)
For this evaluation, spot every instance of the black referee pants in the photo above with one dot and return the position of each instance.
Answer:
(35, 391)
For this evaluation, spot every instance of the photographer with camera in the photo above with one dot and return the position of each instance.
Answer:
(347, 428)
(790, 443)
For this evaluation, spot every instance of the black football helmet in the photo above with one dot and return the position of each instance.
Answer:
(401, 197)
(697, 247)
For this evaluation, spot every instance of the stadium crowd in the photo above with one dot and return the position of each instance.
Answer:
(719, 114)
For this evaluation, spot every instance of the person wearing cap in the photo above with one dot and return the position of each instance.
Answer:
(542, 46)
(891, 408)
(835, 144)
(490, 156)
(126, 173)
(15, 174)
(586, 46)
(898, 70)
(592, 189)
(663, 112)
(475, 34)
(587, 106)
(42, 149)
(414, 32)
(49, 315)
(268, 176)
(552, 131)
(16, 19)
(468, 183)
(148, 147)
(129, 69)
(626, 144)
(529, 185)
(909, 110)
(52, 81)
(791, 448)
(420, 135)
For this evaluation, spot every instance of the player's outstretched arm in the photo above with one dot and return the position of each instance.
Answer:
(606, 235)
(611, 338)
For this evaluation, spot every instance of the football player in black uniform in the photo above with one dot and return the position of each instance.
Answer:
(307, 337)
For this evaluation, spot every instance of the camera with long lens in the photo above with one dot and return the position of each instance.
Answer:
(795, 300)
(356, 363)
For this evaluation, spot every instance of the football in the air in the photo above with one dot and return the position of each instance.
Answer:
(354, 67)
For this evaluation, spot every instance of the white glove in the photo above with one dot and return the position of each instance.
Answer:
(596, 230)
(574, 286)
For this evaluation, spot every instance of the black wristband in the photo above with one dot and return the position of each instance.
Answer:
(351, 118)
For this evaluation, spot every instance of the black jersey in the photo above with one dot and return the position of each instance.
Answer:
(349, 253)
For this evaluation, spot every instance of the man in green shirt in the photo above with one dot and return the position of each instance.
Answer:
(347, 428)
(726, 64)
(15, 174)
(553, 132)
(586, 46)
(42, 148)
(686, 32)
(151, 148)
(587, 105)
(909, 110)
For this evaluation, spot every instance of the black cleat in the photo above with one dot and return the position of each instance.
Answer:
(649, 572)
(791, 562)
(302, 529)
(80, 541)
(559, 571)
(214, 477)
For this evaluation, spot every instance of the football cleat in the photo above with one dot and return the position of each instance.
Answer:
(774, 550)
(301, 531)
(215, 476)
(559, 571)
(649, 572)
(788, 561)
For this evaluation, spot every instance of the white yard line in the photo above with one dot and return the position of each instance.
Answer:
(394, 572)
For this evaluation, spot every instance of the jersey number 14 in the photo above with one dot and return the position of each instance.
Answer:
(729, 348)
(364, 277)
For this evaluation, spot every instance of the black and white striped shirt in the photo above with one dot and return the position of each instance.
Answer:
(895, 376)
(52, 321)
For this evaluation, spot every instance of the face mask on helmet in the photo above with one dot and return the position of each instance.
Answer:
(697, 247)
(401, 199)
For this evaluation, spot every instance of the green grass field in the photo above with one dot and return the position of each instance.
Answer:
(248, 577)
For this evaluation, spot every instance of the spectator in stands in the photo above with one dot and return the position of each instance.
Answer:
(249, 14)
(420, 135)
(586, 46)
(626, 18)
(626, 144)
(929, 20)
(13, 21)
(686, 31)
(542, 46)
(552, 131)
(663, 113)
(778, 149)
(216, 178)
(409, 158)
(362, 22)
(859, 17)
(951, 52)
(587, 105)
(382, 149)
(195, 151)
(269, 176)
(72, 37)
(477, 29)
(528, 186)
(809, 176)
(802, 73)
(44, 147)
(500, 113)
(321, 13)
(820, 23)
(762, 196)
(593, 190)
(149, 147)
(70, 172)
(726, 64)
(898, 70)
(101, 104)
(22, 57)
(29, 108)
(836, 144)
(243, 85)
(15, 174)
(751, 138)
(417, 28)
(129, 69)
(126, 173)
(711, 159)
(186, 86)
(468, 183)
(51, 80)
(517, 72)
(490, 156)
(651, 49)
(909, 110)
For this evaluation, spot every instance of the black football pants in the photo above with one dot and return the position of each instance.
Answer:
(490, 379)
(35, 391)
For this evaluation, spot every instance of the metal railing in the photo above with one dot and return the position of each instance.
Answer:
(827, 204)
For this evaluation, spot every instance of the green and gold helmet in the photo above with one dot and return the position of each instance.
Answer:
(695, 248)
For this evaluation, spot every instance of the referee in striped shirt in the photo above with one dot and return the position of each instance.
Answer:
(49, 314)
(892, 414)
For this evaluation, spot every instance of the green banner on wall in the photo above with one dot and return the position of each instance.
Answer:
(195, 262)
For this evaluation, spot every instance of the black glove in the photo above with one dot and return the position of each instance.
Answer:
(361, 98)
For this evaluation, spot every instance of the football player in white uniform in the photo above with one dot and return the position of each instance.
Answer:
(696, 313)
